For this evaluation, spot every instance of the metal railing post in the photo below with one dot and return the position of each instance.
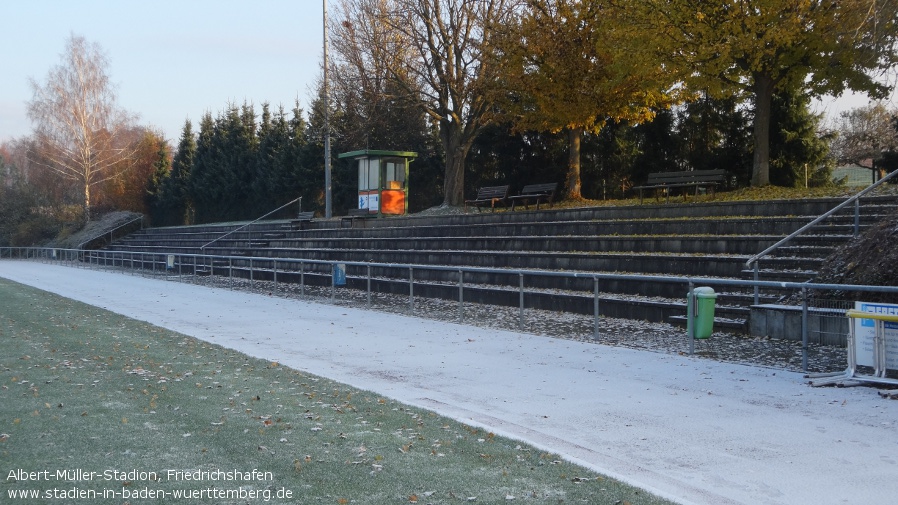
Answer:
(757, 288)
(595, 307)
(461, 295)
(368, 291)
(690, 317)
(411, 290)
(274, 273)
(804, 329)
(521, 301)
(302, 279)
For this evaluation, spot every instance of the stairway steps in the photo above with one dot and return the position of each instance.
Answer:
(707, 239)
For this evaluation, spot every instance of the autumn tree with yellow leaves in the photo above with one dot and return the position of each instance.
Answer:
(573, 66)
(756, 48)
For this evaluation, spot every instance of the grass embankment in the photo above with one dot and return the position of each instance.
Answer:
(749, 194)
(84, 390)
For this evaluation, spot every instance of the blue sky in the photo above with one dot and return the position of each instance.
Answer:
(170, 60)
(175, 60)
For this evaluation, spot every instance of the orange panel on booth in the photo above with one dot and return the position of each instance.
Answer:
(383, 180)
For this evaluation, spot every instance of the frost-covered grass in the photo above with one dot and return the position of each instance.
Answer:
(83, 389)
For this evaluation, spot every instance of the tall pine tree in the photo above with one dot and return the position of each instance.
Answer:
(154, 192)
(799, 157)
(175, 204)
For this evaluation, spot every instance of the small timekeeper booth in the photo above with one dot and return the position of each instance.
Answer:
(383, 180)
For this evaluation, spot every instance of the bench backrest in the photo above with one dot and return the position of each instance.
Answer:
(532, 189)
(697, 176)
(489, 192)
(305, 216)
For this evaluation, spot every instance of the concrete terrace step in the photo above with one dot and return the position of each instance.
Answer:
(685, 243)
(806, 251)
(774, 208)
(795, 210)
(673, 264)
(794, 275)
(737, 225)
(651, 230)
(553, 243)
(455, 238)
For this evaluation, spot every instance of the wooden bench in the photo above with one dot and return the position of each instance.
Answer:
(536, 193)
(301, 220)
(489, 195)
(352, 215)
(708, 179)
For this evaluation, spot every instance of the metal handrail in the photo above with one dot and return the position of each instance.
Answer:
(471, 269)
(203, 247)
(53, 255)
(110, 232)
(854, 199)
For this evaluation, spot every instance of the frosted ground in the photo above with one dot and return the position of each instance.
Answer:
(690, 429)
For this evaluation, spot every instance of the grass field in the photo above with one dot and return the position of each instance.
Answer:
(99, 408)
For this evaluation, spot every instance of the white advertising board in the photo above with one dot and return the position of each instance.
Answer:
(370, 201)
(865, 330)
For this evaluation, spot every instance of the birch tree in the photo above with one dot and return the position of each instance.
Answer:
(81, 134)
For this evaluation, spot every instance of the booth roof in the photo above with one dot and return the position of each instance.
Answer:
(374, 152)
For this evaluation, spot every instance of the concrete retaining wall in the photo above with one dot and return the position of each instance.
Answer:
(825, 326)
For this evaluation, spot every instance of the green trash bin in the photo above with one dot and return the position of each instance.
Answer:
(703, 311)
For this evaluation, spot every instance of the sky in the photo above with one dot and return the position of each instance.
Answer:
(170, 60)
(173, 61)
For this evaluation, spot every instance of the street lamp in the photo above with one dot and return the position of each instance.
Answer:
(328, 210)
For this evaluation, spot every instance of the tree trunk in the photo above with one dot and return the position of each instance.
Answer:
(760, 172)
(456, 149)
(572, 188)
(86, 202)
(455, 179)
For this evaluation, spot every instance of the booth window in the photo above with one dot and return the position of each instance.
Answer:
(368, 174)
(394, 174)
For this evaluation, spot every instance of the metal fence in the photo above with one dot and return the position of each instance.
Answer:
(307, 273)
